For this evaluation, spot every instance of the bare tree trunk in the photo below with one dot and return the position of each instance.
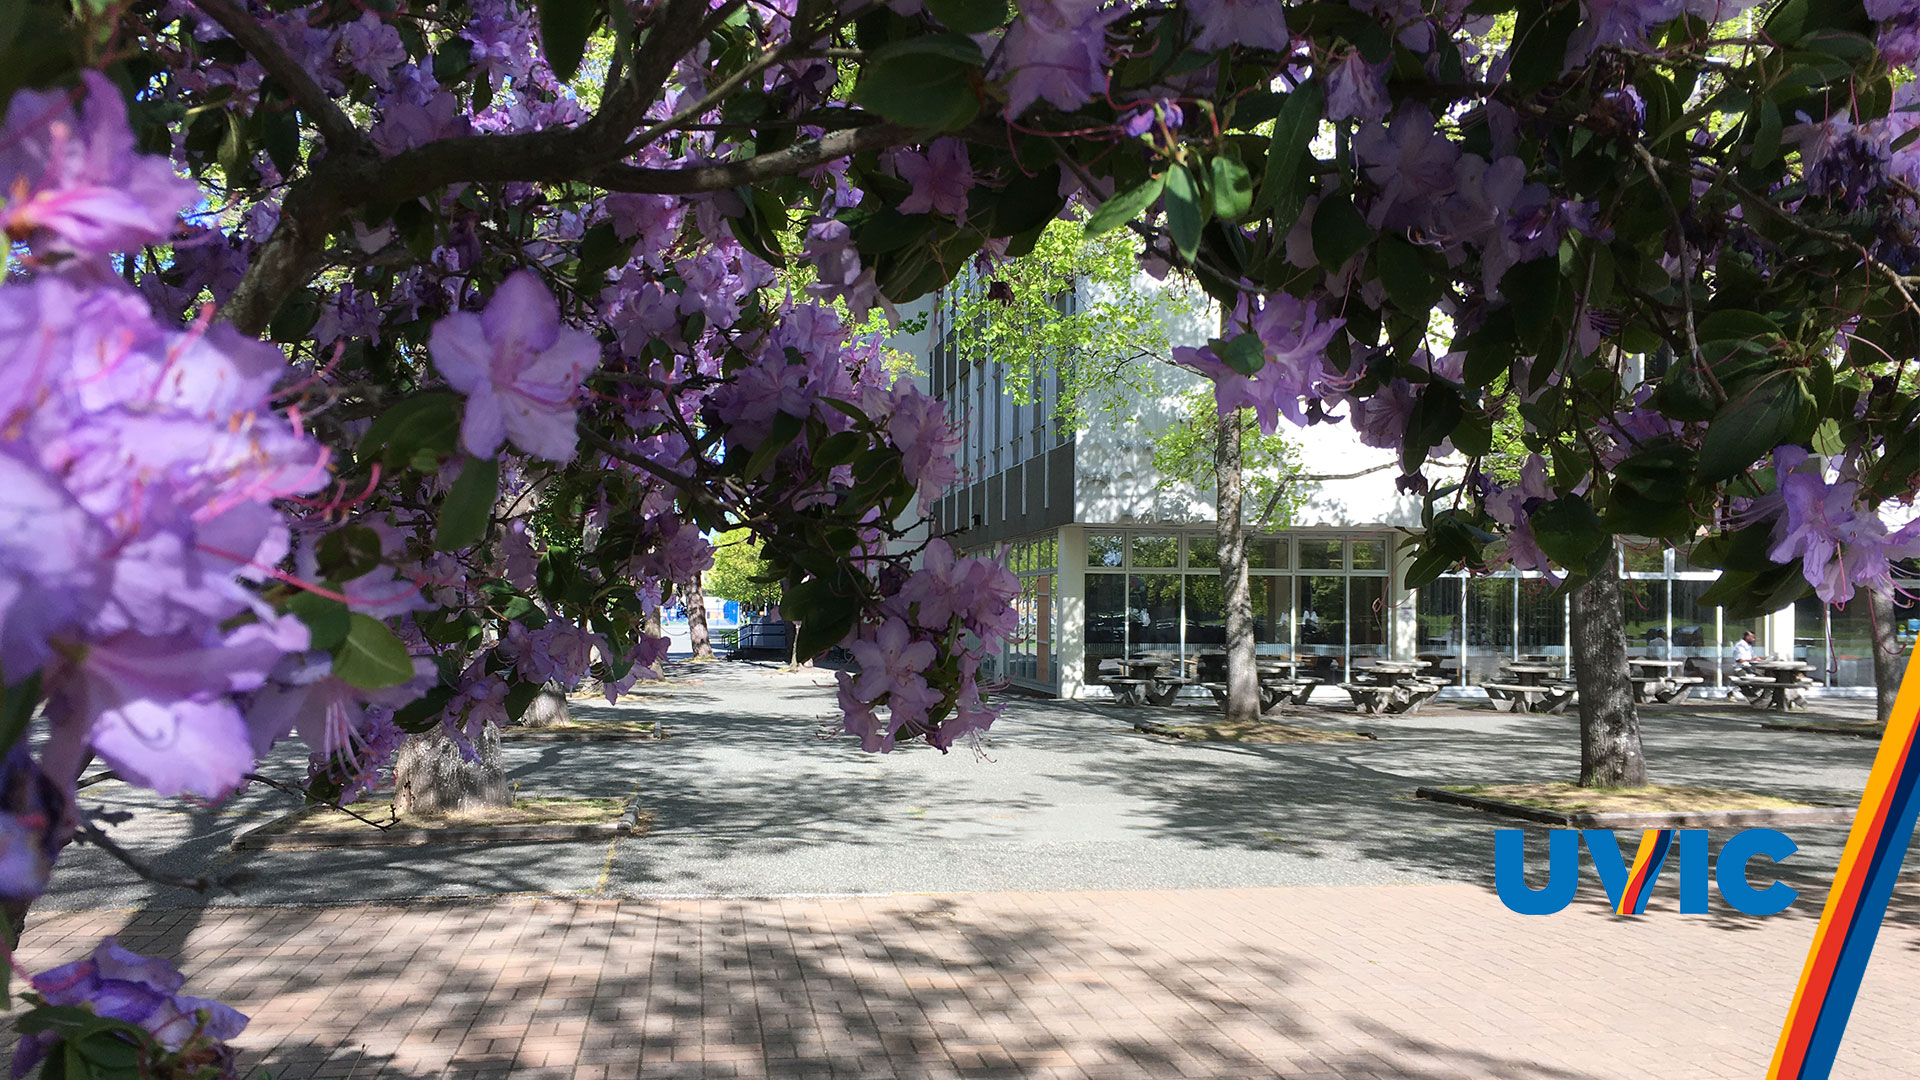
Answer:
(432, 776)
(697, 620)
(1243, 678)
(549, 707)
(1889, 656)
(1610, 753)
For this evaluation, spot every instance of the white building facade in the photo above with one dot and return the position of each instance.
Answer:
(1112, 562)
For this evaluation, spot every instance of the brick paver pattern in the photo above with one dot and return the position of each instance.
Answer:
(1428, 981)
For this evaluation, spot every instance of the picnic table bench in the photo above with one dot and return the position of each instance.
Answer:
(1551, 698)
(1783, 690)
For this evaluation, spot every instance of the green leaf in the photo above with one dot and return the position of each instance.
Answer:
(1339, 232)
(970, 16)
(1244, 354)
(520, 698)
(424, 714)
(371, 658)
(1568, 531)
(1751, 425)
(1540, 44)
(326, 618)
(1764, 121)
(348, 552)
(1232, 189)
(958, 47)
(1827, 439)
(1403, 270)
(1532, 290)
(427, 421)
(1281, 189)
(16, 709)
(564, 27)
(780, 435)
(1126, 206)
(1184, 214)
(921, 89)
(468, 506)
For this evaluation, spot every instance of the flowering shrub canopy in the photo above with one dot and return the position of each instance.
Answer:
(367, 364)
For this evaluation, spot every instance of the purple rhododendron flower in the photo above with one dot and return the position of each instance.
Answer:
(1839, 543)
(1294, 343)
(1357, 89)
(372, 48)
(1150, 116)
(939, 180)
(73, 184)
(520, 368)
(36, 818)
(122, 985)
(1057, 52)
(927, 441)
(1259, 24)
(1513, 508)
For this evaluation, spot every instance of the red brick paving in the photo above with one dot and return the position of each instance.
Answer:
(1435, 982)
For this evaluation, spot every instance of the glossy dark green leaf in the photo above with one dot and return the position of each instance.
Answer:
(1244, 353)
(1403, 270)
(564, 28)
(326, 618)
(1339, 232)
(970, 16)
(520, 698)
(348, 552)
(16, 709)
(1567, 530)
(1293, 130)
(1747, 428)
(371, 658)
(468, 506)
(920, 90)
(1184, 213)
(1232, 189)
(1125, 206)
(426, 421)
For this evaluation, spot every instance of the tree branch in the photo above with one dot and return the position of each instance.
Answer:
(341, 134)
(721, 175)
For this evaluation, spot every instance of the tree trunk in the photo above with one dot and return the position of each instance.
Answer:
(432, 776)
(1889, 656)
(1610, 754)
(697, 620)
(549, 707)
(1243, 678)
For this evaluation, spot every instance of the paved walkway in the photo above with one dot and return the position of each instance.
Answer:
(1289, 910)
(1435, 982)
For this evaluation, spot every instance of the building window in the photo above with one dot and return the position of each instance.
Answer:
(1028, 655)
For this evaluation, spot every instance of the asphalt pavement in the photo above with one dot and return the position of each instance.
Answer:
(754, 794)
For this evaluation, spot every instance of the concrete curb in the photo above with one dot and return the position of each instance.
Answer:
(537, 736)
(1679, 819)
(264, 837)
(1166, 731)
(1818, 729)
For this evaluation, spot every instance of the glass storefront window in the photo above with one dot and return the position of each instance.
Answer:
(1851, 630)
(1644, 558)
(1272, 614)
(1810, 636)
(1156, 551)
(1322, 554)
(1542, 620)
(1323, 627)
(1203, 552)
(1369, 554)
(1103, 549)
(1106, 625)
(1489, 627)
(1206, 611)
(1644, 606)
(1696, 639)
(1267, 554)
(1153, 613)
(1438, 637)
(1367, 616)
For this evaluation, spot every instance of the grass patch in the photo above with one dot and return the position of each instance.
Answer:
(549, 811)
(1574, 799)
(604, 727)
(1255, 731)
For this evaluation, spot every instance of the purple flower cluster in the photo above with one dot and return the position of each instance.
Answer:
(1840, 544)
(1293, 339)
(949, 593)
(143, 991)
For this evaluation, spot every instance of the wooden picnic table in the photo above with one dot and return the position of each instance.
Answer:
(1136, 680)
(1393, 686)
(1530, 688)
(1777, 685)
(1657, 680)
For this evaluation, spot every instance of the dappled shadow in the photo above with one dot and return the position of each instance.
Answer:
(910, 987)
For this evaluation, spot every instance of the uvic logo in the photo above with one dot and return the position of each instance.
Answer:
(1629, 887)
